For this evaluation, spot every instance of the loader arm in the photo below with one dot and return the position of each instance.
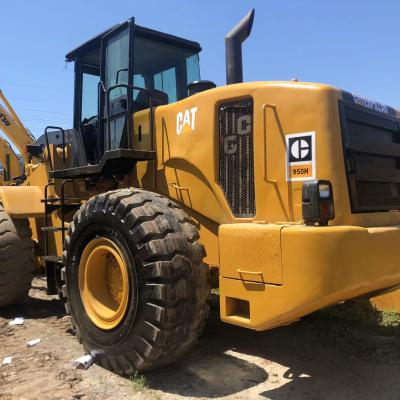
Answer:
(13, 128)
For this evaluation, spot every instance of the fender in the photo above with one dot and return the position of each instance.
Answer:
(22, 201)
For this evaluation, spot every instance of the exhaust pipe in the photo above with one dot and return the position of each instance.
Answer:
(233, 48)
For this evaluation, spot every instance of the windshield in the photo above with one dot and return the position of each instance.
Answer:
(164, 67)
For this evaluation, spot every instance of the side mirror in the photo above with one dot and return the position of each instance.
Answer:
(200, 86)
(34, 149)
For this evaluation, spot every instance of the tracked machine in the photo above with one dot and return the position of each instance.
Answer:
(284, 195)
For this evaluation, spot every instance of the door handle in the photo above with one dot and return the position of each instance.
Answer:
(256, 273)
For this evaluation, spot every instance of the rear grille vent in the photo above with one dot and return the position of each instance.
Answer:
(371, 144)
(236, 156)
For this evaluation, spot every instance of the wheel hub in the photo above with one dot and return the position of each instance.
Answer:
(104, 283)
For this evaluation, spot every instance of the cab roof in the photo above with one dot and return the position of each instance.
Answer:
(94, 42)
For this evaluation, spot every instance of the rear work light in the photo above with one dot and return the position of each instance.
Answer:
(317, 202)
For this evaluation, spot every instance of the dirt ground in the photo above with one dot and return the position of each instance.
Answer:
(321, 357)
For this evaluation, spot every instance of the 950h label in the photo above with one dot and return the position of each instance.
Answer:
(300, 156)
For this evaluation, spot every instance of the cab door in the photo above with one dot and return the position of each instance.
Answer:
(116, 92)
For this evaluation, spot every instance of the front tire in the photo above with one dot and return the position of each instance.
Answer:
(165, 304)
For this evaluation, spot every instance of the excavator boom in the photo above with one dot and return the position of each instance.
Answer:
(13, 128)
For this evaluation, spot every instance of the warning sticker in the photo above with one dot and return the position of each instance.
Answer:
(300, 156)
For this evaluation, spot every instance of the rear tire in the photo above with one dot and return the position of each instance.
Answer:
(16, 259)
(169, 284)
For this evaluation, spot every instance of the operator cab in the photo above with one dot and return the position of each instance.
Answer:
(120, 76)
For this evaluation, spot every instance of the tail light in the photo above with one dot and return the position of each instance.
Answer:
(317, 202)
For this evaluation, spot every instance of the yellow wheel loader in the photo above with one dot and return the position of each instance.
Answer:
(285, 195)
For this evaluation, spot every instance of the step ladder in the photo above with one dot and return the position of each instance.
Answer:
(53, 263)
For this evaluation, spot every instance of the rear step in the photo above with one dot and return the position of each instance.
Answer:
(69, 200)
(54, 259)
(52, 228)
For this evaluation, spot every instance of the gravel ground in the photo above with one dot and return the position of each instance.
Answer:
(318, 358)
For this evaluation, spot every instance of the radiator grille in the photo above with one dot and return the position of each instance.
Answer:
(371, 144)
(236, 156)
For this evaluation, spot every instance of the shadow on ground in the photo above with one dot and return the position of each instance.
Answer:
(206, 372)
(35, 306)
(322, 357)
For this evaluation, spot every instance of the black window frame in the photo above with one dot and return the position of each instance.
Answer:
(102, 126)
(77, 55)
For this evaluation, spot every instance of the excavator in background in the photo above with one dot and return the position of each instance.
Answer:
(18, 134)
(12, 165)
(12, 169)
(14, 129)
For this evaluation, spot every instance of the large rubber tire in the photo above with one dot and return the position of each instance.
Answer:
(16, 259)
(171, 282)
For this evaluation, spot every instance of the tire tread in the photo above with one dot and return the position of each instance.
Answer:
(16, 259)
(174, 281)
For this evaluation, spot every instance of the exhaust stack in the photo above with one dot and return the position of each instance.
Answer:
(233, 48)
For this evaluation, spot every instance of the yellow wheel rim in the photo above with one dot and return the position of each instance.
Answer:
(104, 283)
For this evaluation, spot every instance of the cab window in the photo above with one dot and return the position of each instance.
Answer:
(89, 95)
(164, 67)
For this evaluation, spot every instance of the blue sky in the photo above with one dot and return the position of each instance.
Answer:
(349, 44)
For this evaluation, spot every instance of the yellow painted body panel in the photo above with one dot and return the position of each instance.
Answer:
(187, 163)
(321, 266)
(251, 252)
(22, 201)
(388, 301)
